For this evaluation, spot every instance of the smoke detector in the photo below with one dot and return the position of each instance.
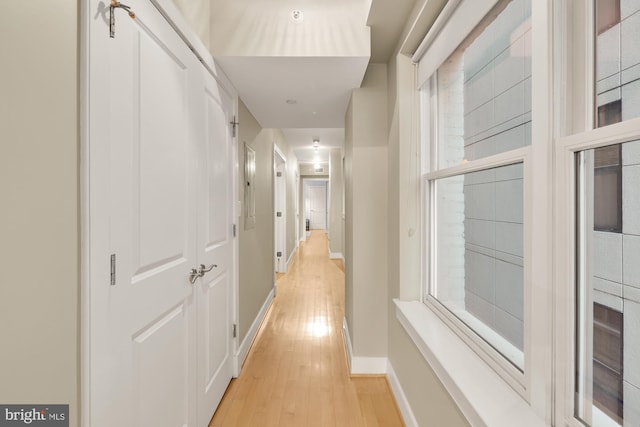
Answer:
(296, 16)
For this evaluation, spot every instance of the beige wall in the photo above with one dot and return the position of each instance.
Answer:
(292, 171)
(336, 186)
(366, 206)
(429, 400)
(198, 15)
(256, 275)
(39, 220)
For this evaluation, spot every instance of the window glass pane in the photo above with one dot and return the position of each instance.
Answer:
(617, 60)
(607, 14)
(607, 189)
(484, 89)
(479, 254)
(608, 311)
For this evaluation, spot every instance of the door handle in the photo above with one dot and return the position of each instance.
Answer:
(193, 276)
(204, 269)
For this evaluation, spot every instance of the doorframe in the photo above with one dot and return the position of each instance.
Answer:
(279, 193)
(175, 19)
(305, 199)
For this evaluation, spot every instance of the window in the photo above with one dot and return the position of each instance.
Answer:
(523, 212)
(607, 376)
(478, 103)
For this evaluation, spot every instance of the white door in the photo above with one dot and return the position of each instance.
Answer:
(318, 207)
(215, 252)
(148, 180)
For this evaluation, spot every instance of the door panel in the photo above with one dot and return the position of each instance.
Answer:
(161, 388)
(217, 312)
(160, 155)
(215, 248)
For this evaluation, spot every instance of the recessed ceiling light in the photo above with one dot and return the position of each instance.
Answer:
(291, 101)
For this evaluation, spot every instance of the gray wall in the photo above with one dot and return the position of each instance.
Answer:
(256, 275)
(366, 207)
(430, 402)
(292, 171)
(336, 188)
(39, 219)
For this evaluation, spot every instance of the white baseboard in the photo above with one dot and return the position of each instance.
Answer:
(368, 365)
(243, 349)
(379, 365)
(293, 252)
(401, 398)
(335, 255)
(347, 341)
(362, 365)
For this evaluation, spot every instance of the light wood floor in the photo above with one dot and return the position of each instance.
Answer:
(296, 372)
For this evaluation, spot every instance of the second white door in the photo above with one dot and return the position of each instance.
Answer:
(318, 207)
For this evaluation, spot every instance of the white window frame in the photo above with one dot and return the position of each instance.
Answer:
(495, 359)
(534, 385)
(576, 132)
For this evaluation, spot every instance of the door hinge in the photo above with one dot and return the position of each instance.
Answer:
(112, 270)
(234, 123)
(233, 228)
(235, 330)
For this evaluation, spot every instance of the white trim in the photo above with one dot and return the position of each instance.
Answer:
(347, 340)
(401, 399)
(336, 255)
(368, 365)
(483, 397)
(502, 159)
(435, 29)
(243, 349)
(293, 252)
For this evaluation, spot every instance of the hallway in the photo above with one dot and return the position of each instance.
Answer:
(296, 373)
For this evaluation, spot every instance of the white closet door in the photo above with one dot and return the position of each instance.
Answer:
(215, 251)
(143, 96)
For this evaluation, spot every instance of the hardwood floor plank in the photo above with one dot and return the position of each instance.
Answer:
(296, 372)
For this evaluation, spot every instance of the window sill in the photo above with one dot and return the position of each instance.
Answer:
(483, 397)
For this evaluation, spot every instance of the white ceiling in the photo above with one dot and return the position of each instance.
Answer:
(301, 140)
(318, 87)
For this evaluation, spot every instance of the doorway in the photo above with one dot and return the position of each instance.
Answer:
(316, 203)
